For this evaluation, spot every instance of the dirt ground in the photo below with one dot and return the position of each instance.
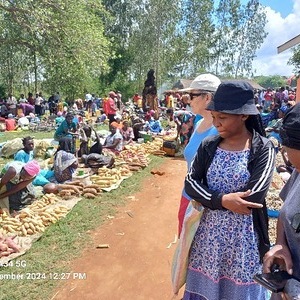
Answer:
(137, 264)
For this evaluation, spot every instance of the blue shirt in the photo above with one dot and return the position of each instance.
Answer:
(63, 130)
(193, 145)
(23, 156)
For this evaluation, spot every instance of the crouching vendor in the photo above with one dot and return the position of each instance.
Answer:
(96, 160)
(16, 189)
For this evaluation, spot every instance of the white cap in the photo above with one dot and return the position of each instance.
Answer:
(206, 82)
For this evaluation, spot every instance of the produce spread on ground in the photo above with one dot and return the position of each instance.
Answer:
(18, 233)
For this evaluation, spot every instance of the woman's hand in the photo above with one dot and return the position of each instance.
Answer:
(236, 203)
(280, 255)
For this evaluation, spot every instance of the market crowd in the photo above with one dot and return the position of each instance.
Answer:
(229, 135)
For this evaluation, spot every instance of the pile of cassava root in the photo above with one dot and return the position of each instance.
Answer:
(34, 218)
(77, 188)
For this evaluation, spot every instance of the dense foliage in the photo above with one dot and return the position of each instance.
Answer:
(273, 82)
(295, 59)
(98, 45)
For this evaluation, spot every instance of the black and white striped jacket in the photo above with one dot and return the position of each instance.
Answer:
(260, 166)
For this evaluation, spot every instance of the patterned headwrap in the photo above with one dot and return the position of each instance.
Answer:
(32, 168)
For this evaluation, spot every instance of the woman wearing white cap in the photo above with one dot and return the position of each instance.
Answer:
(201, 91)
(118, 121)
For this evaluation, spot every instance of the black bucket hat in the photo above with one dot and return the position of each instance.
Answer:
(234, 97)
(290, 130)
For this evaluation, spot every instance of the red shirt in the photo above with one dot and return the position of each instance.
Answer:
(10, 124)
(111, 107)
(269, 96)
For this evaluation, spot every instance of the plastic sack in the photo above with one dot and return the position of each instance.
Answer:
(181, 255)
(11, 147)
(40, 148)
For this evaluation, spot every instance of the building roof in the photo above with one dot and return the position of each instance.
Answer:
(181, 84)
(185, 83)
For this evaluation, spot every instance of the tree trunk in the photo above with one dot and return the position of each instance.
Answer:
(35, 73)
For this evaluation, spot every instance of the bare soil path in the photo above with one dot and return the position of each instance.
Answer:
(137, 264)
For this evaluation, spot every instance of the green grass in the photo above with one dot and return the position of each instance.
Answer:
(10, 135)
(65, 240)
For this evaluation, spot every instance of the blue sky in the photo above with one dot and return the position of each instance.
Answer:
(283, 24)
(285, 7)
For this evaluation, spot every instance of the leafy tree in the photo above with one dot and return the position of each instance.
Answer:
(239, 33)
(151, 44)
(273, 81)
(119, 21)
(99, 45)
(295, 59)
(64, 40)
(194, 39)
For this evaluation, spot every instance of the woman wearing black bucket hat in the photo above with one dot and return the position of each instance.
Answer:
(286, 252)
(230, 177)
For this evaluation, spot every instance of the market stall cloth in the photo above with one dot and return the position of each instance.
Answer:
(29, 225)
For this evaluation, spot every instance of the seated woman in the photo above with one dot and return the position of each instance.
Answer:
(89, 144)
(23, 122)
(127, 133)
(102, 118)
(137, 126)
(59, 119)
(114, 141)
(67, 128)
(95, 160)
(25, 155)
(118, 122)
(65, 163)
(154, 125)
(16, 188)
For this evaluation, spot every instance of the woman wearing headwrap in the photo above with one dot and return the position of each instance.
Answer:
(65, 162)
(16, 188)
(286, 252)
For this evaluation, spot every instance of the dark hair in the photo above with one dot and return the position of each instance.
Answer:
(170, 111)
(87, 130)
(254, 122)
(69, 114)
(26, 139)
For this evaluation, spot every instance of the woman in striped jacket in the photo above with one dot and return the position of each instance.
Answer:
(230, 177)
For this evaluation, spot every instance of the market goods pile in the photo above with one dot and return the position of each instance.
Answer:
(34, 218)
(77, 188)
(32, 221)
(8, 246)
